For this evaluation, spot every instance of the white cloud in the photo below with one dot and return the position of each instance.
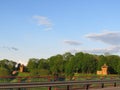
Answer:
(112, 38)
(112, 49)
(70, 42)
(43, 21)
(109, 37)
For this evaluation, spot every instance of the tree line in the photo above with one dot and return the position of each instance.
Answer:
(65, 65)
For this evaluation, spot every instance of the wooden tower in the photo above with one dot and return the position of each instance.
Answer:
(22, 68)
(104, 69)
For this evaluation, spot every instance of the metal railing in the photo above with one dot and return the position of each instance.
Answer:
(87, 84)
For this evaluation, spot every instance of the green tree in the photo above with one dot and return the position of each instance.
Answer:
(56, 64)
(32, 66)
(9, 65)
(118, 68)
(89, 64)
(79, 61)
(43, 67)
(43, 64)
(101, 61)
(112, 62)
(67, 56)
(4, 72)
(70, 67)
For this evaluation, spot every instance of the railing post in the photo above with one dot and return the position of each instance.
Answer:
(102, 85)
(19, 89)
(49, 88)
(49, 78)
(19, 79)
(28, 79)
(68, 87)
(114, 84)
(87, 87)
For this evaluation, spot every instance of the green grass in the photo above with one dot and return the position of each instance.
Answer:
(78, 76)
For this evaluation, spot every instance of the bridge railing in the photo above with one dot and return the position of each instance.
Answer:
(86, 83)
(58, 82)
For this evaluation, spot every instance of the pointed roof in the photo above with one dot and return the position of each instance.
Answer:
(104, 66)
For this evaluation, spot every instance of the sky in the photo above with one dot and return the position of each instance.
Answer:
(44, 28)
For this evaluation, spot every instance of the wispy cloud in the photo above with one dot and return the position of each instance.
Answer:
(43, 21)
(111, 49)
(14, 48)
(71, 42)
(109, 37)
(10, 48)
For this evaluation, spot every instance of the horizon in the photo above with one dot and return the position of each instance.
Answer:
(40, 29)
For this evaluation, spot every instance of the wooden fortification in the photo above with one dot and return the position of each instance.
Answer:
(22, 68)
(104, 70)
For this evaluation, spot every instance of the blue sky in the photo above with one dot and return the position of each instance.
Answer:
(43, 28)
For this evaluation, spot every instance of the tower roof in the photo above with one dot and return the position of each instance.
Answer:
(104, 66)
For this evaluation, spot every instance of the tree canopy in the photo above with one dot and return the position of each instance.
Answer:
(66, 64)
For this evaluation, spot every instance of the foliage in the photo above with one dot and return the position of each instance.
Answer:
(65, 65)
(32, 64)
(4, 72)
(56, 64)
